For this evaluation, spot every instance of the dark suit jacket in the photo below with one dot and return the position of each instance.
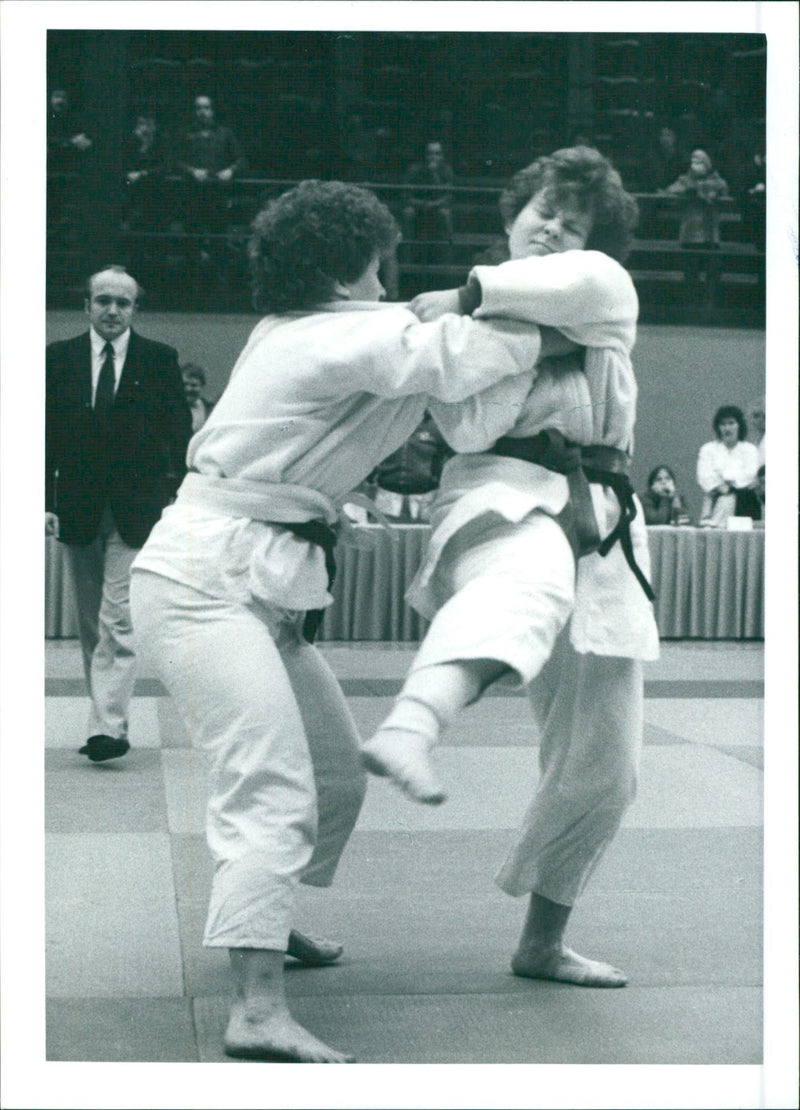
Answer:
(134, 468)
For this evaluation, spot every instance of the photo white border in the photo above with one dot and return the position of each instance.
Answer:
(27, 1080)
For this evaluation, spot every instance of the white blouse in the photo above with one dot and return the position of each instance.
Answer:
(737, 465)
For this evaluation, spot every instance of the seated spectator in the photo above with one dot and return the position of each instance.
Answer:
(428, 197)
(144, 162)
(661, 502)
(67, 147)
(211, 157)
(407, 480)
(758, 424)
(749, 188)
(65, 133)
(194, 381)
(701, 189)
(664, 162)
(727, 471)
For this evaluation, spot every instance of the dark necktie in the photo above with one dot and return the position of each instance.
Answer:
(104, 394)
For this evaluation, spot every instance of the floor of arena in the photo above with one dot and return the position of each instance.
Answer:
(425, 975)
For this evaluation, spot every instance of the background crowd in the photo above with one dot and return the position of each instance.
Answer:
(208, 125)
(201, 128)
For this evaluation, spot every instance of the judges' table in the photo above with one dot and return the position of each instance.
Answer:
(709, 585)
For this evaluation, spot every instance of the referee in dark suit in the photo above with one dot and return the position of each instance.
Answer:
(117, 428)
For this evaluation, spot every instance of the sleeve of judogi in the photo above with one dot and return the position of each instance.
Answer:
(586, 295)
(478, 422)
(448, 359)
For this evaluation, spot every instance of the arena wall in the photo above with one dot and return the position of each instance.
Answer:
(684, 375)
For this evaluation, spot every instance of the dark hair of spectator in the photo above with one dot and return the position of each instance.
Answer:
(192, 370)
(582, 173)
(115, 268)
(730, 412)
(654, 473)
(315, 235)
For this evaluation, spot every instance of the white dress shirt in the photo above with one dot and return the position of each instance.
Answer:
(120, 345)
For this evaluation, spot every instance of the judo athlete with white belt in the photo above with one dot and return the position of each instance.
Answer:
(537, 568)
(329, 384)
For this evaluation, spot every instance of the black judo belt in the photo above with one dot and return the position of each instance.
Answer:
(582, 465)
(320, 533)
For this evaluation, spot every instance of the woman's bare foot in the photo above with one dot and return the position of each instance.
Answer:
(312, 951)
(258, 1032)
(565, 966)
(403, 757)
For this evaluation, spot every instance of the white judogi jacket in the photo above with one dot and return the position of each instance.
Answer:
(315, 401)
(591, 400)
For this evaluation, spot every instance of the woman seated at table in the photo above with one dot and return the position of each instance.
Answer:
(662, 504)
(727, 471)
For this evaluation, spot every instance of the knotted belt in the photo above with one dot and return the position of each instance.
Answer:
(268, 502)
(320, 533)
(582, 465)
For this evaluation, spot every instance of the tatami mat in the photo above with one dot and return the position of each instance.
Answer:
(551, 1024)
(112, 928)
(428, 936)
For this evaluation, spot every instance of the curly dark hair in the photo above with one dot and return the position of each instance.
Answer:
(582, 173)
(730, 412)
(312, 236)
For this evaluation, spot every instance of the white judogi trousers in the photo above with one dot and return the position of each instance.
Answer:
(101, 572)
(511, 589)
(286, 785)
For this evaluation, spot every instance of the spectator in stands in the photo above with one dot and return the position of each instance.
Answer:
(64, 129)
(727, 471)
(194, 381)
(701, 188)
(665, 161)
(65, 133)
(67, 147)
(145, 162)
(662, 503)
(430, 195)
(749, 187)
(408, 479)
(211, 158)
